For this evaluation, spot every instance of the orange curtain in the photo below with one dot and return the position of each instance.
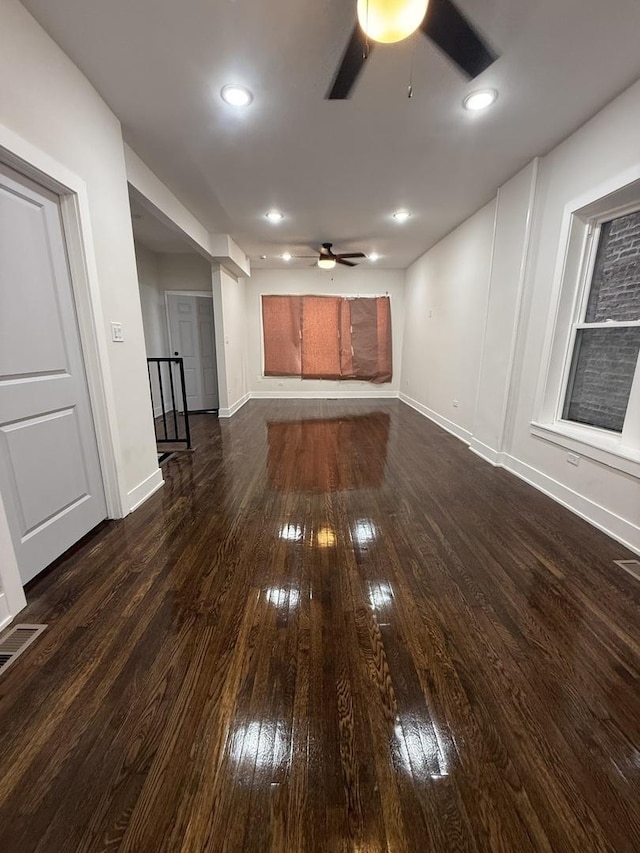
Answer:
(328, 337)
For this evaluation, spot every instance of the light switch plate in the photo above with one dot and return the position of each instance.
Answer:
(117, 334)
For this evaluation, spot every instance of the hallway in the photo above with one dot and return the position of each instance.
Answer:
(333, 629)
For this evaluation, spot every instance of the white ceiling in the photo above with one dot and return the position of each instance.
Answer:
(337, 169)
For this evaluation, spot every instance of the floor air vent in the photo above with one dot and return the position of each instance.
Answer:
(631, 566)
(16, 641)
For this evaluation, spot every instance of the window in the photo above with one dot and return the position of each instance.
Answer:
(589, 396)
(606, 336)
(327, 337)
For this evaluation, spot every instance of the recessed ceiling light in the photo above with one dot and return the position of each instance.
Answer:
(286, 256)
(373, 256)
(480, 100)
(401, 215)
(235, 95)
(274, 216)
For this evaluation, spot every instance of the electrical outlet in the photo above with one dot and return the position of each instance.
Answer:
(117, 333)
(573, 459)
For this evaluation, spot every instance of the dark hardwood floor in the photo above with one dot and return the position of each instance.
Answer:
(334, 629)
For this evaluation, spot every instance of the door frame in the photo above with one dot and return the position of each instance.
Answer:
(25, 158)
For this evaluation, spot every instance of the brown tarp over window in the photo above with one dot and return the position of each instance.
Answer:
(321, 337)
(328, 337)
(282, 323)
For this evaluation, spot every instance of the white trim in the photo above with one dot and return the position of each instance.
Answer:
(608, 522)
(485, 313)
(231, 410)
(138, 495)
(459, 432)
(572, 281)
(10, 578)
(613, 525)
(5, 613)
(509, 397)
(25, 158)
(329, 394)
(594, 444)
(74, 206)
(493, 457)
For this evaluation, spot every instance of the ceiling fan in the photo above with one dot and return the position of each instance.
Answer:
(443, 24)
(326, 258)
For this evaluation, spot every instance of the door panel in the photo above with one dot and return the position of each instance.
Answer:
(46, 450)
(183, 334)
(50, 474)
(192, 335)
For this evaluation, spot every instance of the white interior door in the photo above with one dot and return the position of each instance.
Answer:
(191, 335)
(50, 474)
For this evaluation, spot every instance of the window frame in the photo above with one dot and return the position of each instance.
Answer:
(594, 231)
(580, 235)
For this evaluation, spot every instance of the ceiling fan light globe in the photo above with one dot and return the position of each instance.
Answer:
(326, 263)
(390, 21)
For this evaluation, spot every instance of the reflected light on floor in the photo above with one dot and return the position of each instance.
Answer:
(325, 537)
(259, 744)
(380, 595)
(364, 532)
(421, 750)
(281, 597)
(291, 532)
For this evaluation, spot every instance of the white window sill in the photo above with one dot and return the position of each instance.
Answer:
(594, 444)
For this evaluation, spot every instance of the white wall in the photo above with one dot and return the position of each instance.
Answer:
(607, 145)
(445, 306)
(230, 317)
(52, 118)
(349, 282)
(489, 286)
(513, 220)
(154, 317)
(50, 104)
(184, 271)
(160, 272)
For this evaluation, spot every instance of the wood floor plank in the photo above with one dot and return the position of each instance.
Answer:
(333, 629)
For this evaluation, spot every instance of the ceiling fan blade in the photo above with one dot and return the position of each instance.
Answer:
(353, 59)
(351, 255)
(445, 25)
(339, 260)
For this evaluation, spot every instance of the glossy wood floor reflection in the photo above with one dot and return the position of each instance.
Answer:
(334, 629)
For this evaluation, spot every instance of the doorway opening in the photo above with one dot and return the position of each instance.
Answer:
(176, 297)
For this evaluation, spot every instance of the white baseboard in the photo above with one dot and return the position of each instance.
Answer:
(231, 410)
(493, 457)
(440, 420)
(333, 394)
(144, 490)
(608, 522)
(613, 525)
